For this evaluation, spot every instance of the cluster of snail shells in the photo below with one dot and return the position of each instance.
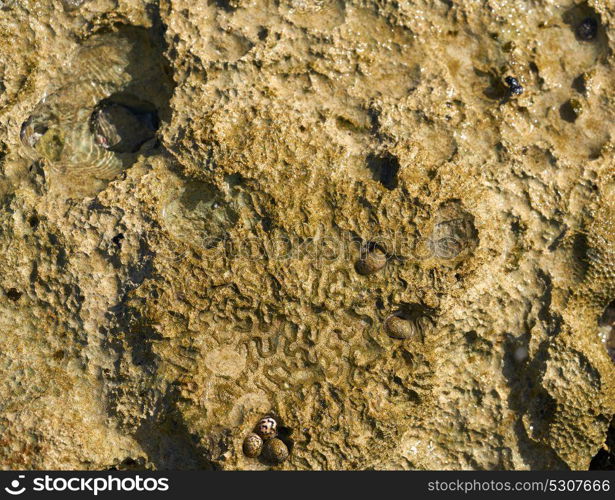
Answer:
(263, 441)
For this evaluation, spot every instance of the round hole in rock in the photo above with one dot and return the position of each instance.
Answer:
(14, 294)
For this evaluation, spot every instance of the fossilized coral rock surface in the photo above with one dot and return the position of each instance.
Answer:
(152, 320)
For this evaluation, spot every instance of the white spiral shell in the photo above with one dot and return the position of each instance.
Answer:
(267, 428)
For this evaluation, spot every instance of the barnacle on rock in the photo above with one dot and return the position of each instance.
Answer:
(91, 124)
(35, 127)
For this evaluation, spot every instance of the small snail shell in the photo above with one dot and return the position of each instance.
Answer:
(275, 451)
(371, 261)
(252, 445)
(267, 428)
(399, 326)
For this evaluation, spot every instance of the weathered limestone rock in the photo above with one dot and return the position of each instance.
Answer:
(149, 318)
